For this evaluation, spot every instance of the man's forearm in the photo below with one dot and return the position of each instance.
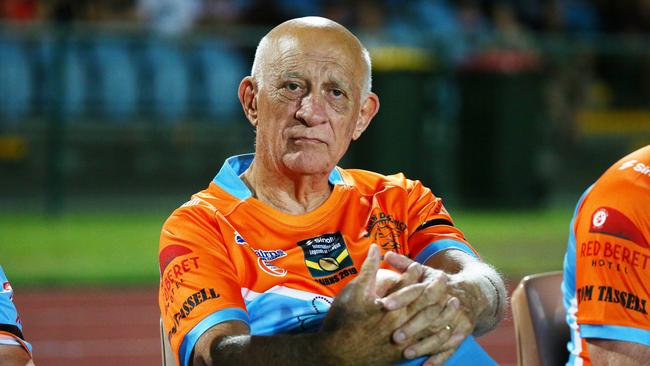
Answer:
(606, 352)
(297, 349)
(229, 343)
(14, 356)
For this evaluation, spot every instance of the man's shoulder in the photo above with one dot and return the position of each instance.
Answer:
(370, 182)
(203, 206)
(211, 199)
(632, 170)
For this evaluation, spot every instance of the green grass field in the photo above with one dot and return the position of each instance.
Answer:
(118, 249)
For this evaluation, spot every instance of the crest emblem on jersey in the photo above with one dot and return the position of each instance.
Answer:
(385, 230)
(600, 217)
(326, 254)
(610, 221)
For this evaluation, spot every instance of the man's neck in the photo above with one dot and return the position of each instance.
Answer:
(296, 195)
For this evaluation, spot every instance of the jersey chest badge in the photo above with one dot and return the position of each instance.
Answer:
(327, 256)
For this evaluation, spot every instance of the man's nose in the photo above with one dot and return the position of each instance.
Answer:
(312, 110)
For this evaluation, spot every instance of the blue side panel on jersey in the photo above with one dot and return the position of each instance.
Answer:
(469, 353)
(8, 312)
(569, 280)
(619, 333)
(190, 339)
(273, 313)
(569, 276)
(440, 245)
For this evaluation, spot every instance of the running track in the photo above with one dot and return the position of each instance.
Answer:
(120, 327)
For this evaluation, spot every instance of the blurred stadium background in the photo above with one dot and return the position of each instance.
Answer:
(113, 112)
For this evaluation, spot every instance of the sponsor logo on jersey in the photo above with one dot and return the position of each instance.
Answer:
(613, 255)
(610, 221)
(326, 254)
(169, 253)
(6, 287)
(192, 202)
(627, 164)
(600, 216)
(385, 230)
(270, 255)
(239, 239)
(172, 274)
(610, 294)
(638, 167)
(264, 259)
(190, 304)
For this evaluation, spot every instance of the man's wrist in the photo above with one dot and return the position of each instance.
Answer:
(482, 299)
(493, 299)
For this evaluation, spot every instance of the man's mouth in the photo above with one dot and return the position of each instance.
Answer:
(307, 140)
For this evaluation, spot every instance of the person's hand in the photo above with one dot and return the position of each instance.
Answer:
(357, 330)
(440, 307)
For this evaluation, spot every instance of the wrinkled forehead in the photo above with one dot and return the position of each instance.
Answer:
(316, 51)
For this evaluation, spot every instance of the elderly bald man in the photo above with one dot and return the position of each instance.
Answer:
(278, 261)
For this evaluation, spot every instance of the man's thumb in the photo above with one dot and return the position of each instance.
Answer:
(369, 269)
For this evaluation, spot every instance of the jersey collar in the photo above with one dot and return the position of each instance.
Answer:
(228, 176)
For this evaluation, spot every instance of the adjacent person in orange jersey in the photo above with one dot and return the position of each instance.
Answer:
(607, 267)
(14, 349)
(277, 261)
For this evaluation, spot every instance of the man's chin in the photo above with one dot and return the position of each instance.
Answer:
(308, 163)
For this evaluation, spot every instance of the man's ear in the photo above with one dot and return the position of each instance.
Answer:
(369, 109)
(248, 98)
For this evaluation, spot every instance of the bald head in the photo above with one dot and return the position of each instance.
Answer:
(311, 32)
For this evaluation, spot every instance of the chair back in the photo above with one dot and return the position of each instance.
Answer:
(539, 318)
(168, 358)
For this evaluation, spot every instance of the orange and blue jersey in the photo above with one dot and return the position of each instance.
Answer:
(607, 265)
(224, 255)
(11, 328)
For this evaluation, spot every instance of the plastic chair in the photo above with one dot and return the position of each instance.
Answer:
(539, 318)
(167, 355)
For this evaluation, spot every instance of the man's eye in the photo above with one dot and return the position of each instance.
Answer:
(337, 93)
(293, 86)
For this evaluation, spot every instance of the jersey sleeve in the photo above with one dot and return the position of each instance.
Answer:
(199, 285)
(433, 229)
(612, 252)
(11, 329)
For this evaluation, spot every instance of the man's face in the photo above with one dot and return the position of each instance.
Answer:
(308, 104)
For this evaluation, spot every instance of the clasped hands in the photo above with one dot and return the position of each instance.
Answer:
(418, 311)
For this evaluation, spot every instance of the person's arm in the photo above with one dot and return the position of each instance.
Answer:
(14, 356)
(606, 352)
(356, 331)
